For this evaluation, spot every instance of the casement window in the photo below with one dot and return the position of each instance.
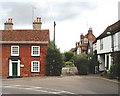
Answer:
(101, 44)
(85, 40)
(35, 51)
(35, 66)
(14, 50)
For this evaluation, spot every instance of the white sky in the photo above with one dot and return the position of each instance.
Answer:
(72, 17)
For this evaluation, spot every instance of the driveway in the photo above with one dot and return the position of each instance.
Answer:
(74, 85)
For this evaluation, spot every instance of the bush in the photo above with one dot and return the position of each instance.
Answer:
(54, 62)
(70, 64)
(114, 69)
(81, 62)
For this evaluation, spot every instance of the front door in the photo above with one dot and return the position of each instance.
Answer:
(14, 69)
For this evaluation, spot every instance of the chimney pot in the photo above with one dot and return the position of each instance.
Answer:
(37, 24)
(90, 28)
(8, 25)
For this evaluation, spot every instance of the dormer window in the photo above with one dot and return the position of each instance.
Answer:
(14, 50)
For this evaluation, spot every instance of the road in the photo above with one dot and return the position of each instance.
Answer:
(74, 85)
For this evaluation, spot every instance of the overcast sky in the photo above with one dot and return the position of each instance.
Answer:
(72, 17)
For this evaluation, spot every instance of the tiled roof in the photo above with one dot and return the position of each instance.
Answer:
(25, 35)
(114, 28)
(73, 49)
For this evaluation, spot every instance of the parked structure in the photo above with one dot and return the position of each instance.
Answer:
(107, 45)
(84, 46)
(24, 51)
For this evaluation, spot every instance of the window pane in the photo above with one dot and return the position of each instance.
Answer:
(15, 50)
(35, 66)
(35, 51)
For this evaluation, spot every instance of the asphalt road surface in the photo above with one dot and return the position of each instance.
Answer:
(60, 86)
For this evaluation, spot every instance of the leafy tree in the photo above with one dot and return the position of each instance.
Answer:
(81, 62)
(68, 56)
(52, 45)
(54, 62)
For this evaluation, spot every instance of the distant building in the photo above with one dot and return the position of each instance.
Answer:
(24, 51)
(84, 46)
(107, 45)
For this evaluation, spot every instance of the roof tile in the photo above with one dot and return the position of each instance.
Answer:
(25, 35)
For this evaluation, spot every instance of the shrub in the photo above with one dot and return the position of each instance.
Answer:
(81, 62)
(54, 62)
(114, 69)
(70, 64)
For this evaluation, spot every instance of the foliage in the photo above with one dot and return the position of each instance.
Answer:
(81, 62)
(92, 63)
(70, 64)
(68, 56)
(115, 68)
(51, 44)
(54, 62)
(117, 62)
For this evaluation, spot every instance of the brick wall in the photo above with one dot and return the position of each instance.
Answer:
(26, 58)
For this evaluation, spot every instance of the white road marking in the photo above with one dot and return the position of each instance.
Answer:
(40, 89)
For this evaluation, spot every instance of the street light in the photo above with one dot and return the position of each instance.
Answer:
(112, 45)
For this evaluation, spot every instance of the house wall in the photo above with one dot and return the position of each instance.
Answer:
(118, 41)
(107, 49)
(26, 58)
(101, 59)
(106, 45)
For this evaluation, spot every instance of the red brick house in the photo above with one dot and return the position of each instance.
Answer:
(85, 45)
(24, 51)
(86, 42)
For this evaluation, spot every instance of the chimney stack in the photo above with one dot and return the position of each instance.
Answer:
(37, 24)
(90, 30)
(8, 25)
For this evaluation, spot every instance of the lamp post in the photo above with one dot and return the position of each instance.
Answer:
(112, 45)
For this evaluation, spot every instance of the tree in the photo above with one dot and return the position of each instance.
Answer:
(81, 62)
(52, 45)
(68, 56)
(54, 62)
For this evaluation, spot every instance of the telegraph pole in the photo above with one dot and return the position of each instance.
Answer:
(54, 33)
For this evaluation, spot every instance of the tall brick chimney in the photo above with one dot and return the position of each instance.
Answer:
(8, 25)
(90, 30)
(37, 24)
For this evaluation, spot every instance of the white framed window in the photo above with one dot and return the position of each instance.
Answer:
(101, 44)
(35, 66)
(14, 50)
(35, 51)
(85, 40)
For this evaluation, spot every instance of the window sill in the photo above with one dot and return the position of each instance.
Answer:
(34, 72)
(35, 56)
